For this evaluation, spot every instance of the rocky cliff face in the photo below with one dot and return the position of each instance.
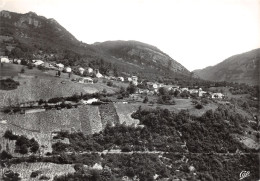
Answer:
(242, 68)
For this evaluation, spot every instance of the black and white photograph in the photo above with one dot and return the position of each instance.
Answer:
(129, 90)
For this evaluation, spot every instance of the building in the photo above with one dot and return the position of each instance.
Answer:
(37, 62)
(67, 69)
(5, 59)
(60, 66)
(97, 74)
(152, 86)
(81, 70)
(184, 89)
(121, 79)
(17, 61)
(129, 79)
(135, 80)
(85, 80)
(217, 96)
(89, 70)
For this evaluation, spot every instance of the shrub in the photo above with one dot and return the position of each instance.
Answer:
(8, 84)
(109, 83)
(35, 174)
(69, 106)
(9, 135)
(22, 70)
(30, 66)
(126, 148)
(40, 102)
(55, 100)
(95, 81)
(199, 106)
(5, 155)
(145, 99)
(44, 177)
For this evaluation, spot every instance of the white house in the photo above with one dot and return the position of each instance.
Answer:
(85, 80)
(184, 89)
(60, 66)
(129, 79)
(67, 69)
(37, 62)
(5, 60)
(152, 86)
(89, 101)
(89, 70)
(217, 96)
(201, 93)
(81, 70)
(121, 79)
(98, 75)
(134, 80)
(18, 61)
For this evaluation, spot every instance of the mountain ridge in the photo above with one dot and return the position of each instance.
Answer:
(240, 68)
(31, 33)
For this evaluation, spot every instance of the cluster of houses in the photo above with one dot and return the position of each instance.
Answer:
(5, 59)
(153, 88)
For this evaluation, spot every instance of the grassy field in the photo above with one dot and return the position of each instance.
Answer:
(124, 112)
(7, 69)
(47, 169)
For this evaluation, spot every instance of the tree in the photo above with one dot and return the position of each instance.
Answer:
(162, 91)
(9, 175)
(131, 89)
(34, 145)
(109, 83)
(23, 149)
(145, 99)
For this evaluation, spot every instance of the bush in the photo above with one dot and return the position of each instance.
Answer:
(5, 155)
(126, 148)
(35, 174)
(110, 83)
(9, 135)
(8, 84)
(30, 66)
(95, 81)
(145, 99)
(40, 102)
(199, 106)
(44, 177)
(55, 100)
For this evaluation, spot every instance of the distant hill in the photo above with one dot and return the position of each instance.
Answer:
(141, 54)
(242, 68)
(31, 36)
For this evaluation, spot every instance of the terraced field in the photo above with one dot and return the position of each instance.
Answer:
(94, 119)
(47, 169)
(108, 114)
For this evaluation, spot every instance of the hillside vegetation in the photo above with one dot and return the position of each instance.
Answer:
(242, 68)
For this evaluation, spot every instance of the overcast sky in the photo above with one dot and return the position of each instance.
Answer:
(196, 33)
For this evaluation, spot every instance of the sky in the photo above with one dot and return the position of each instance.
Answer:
(196, 33)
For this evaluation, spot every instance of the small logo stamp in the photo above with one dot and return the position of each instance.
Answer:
(244, 174)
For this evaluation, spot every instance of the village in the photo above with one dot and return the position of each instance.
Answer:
(142, 88)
